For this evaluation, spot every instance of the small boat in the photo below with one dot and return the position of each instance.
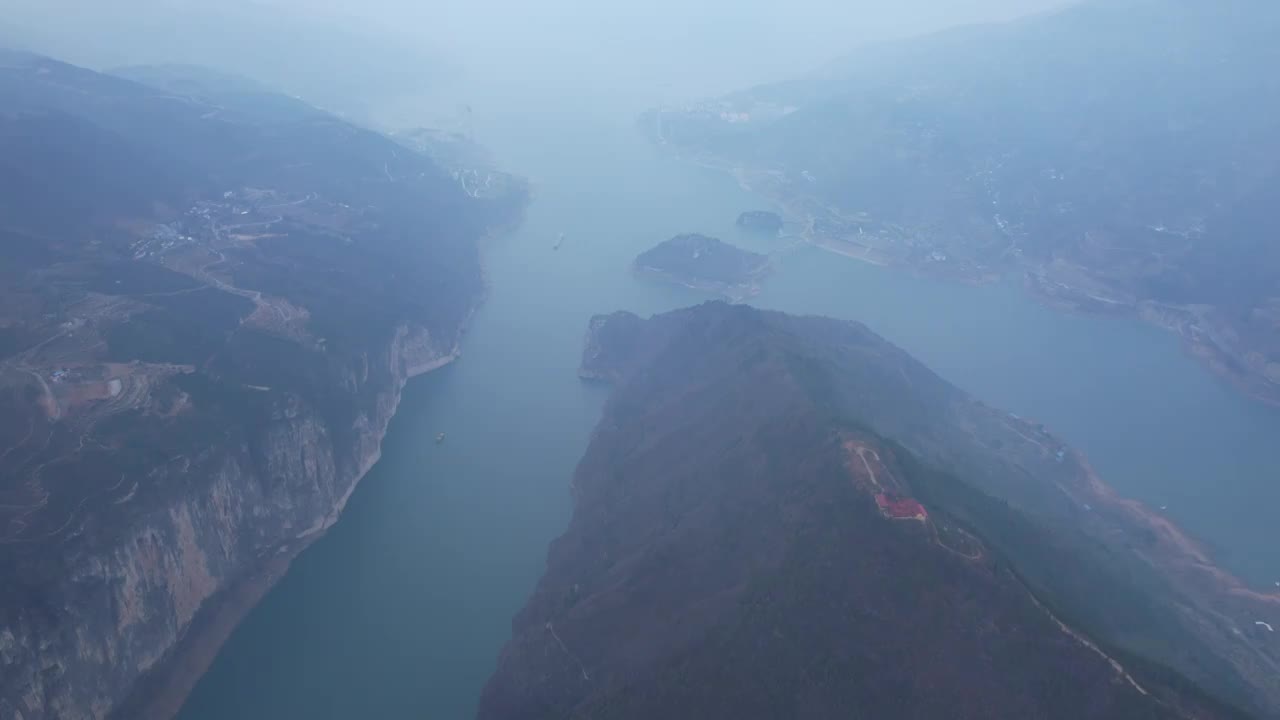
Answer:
(439, 438)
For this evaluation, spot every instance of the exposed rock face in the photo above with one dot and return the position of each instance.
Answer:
(789, 517)
(203, 336)
(120, 610)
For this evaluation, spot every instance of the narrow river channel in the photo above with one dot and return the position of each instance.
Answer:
(399, 612)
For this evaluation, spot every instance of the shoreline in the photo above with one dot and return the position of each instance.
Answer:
(1211, 357)
(1221, 607)
(1253, 384)
(1216, 606)
(161, 694)
(733, 293)
(1223, 604)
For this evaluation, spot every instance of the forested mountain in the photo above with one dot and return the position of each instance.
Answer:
(785, 516)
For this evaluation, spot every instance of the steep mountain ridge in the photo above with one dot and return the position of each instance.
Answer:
(787, 516)
(210, 299)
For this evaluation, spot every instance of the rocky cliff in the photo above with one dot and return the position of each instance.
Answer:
(789, 517)
(175, 579)
(201, 348)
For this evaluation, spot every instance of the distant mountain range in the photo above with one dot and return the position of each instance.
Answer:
(337, 63)
(787, 517)
(210, 298)
(1120, 155)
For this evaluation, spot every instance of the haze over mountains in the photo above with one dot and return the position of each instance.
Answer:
(213, 290)
(341, 54)
(726, 558)
(1118, 155)
(212, 296)
(342, 64)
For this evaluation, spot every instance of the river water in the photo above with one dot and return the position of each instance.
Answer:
(400, 610)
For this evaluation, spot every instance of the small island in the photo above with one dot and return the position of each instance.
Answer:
(706, 263)
(761, 221)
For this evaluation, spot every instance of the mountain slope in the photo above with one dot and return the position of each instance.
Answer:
(789, 517)
(210, 298)
(1115, 153)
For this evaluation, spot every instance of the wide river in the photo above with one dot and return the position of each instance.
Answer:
(401, 609)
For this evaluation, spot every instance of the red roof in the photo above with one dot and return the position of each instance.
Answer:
(900, 507)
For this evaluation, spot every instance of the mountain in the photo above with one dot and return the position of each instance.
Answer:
(334, 60)
(1117, 154)
(210, 298)
(785, 516)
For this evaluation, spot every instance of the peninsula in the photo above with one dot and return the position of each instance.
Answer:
(783, 516)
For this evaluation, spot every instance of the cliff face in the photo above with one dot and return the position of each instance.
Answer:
(789, 517)
(200, 351)
(123, 608)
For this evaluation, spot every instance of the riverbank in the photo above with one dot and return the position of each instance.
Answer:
(1182, 555)
(402, 608)
(161, 693)
(1213, 344)
(734, 293)
(1221, 609)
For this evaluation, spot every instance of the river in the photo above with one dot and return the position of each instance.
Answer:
(400, 610)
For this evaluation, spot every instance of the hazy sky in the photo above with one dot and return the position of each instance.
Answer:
(680, 47)
(525, 23)
(787, 34)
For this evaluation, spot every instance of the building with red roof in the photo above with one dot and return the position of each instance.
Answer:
(900, 508)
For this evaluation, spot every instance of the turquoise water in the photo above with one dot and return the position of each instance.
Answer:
(401, 609)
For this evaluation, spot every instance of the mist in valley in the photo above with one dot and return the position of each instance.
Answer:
(248, 301)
